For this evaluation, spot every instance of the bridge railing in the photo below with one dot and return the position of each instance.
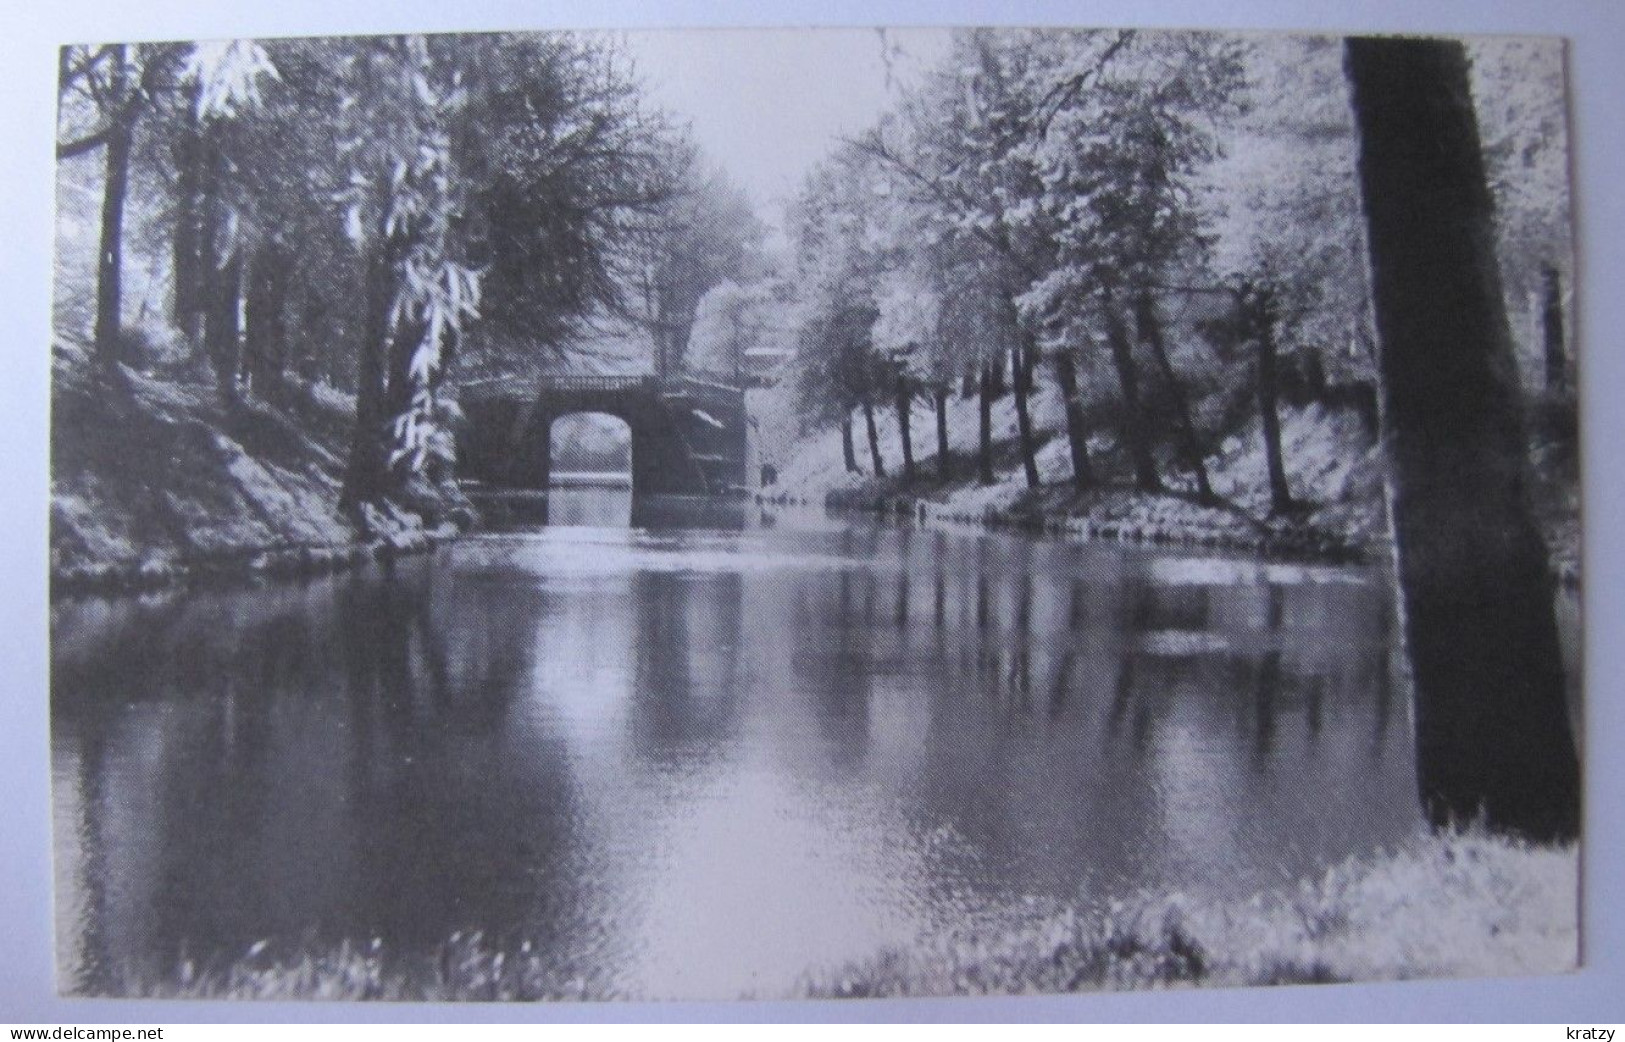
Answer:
(597, 383)
(680, 387)
(526, 386)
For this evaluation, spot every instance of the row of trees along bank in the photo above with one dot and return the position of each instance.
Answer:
(1164, 227)
(1160, 224)
(384, 216)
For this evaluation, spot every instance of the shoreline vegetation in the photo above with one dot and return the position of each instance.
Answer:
(156, 483)
(1460, 903)
(1338, 516)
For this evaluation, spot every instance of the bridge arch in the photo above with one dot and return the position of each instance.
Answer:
(687, 437)
(590, 447)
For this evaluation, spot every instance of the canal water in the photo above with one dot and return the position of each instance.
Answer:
(714, 752)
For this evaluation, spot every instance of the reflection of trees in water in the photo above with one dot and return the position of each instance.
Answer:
(1150, 607)
(84, 958)
(1162, 681)
(1266, 704)
(838, 673)
(320, 763)
(686, 685)
(400, 725)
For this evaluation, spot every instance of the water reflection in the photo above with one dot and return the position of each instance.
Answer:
(704, 761)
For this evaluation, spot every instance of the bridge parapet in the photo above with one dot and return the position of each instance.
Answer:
(533, 386)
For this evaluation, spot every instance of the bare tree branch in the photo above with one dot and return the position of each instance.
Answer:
(873, 146)
(1063, 93)
(129, 110)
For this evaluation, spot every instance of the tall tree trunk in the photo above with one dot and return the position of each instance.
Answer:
(984, 427)
(218, 276)
(1150, 327)
(221, 326)
(1024, 422)
(1551, 327)
(1492, 727)
(903, 430)
(848, 452)
(110, 258)
(187, 246)
(1257, 307)
(1077, 431)
(874, 439)
(366, 477)
(944, 461)
(265, 333)
(1135, 434)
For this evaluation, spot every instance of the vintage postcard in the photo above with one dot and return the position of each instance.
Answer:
(812, 513)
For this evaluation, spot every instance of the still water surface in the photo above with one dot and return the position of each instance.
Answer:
(708, 755)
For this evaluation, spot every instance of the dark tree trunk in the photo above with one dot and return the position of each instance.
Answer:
(366, 478)
(984, 427)
(1492, 727)
(1077, 431)
(1257, 307)
(1023, 369)
(265, 330)
(188, 152)
(874, 439)
(1150, 327)
(1135, 434)
(221, 326)
(313, 355)
(218, 277)
(847, 450)
(903, 430)
(1024, 422)
(1000, 383)
(1551, 328)
(944, 461)
(110, 258)
(970, 382)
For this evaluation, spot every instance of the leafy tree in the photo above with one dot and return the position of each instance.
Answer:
(401, 208)
(104, 92)
(564, 164)
(1117, 163)
(1518, 88)
(705, 235)
(907, 338)
(729, 321)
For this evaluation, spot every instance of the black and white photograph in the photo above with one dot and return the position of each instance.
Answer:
(812, 513)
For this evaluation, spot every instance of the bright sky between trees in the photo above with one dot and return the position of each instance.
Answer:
(767, 104)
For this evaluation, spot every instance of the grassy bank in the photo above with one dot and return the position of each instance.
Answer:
(1335, 476)
(154, 481)
(1333, 460)
(1461, 905)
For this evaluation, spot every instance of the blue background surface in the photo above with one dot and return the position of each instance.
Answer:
(27, 104)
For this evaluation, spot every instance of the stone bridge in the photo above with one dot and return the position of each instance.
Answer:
(688, 435)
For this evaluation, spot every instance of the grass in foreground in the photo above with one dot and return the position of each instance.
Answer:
(1461, 905)
(1466, 904)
